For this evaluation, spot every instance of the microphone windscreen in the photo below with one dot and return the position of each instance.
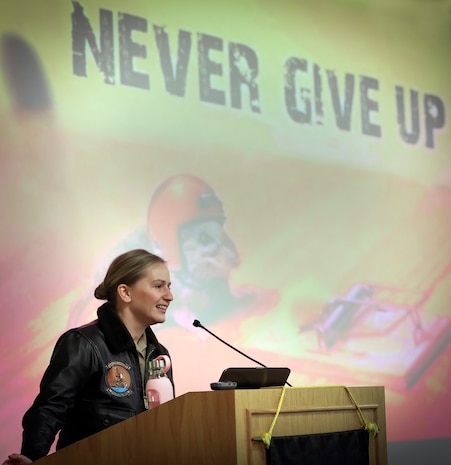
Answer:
(196, 323)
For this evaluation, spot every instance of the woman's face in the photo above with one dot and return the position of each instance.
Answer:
(151, 295)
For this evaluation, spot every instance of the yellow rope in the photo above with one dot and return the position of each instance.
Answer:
(369, 426)
(266, 437)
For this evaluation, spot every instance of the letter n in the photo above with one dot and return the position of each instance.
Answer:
(82, 33)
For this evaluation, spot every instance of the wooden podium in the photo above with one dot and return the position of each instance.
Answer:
(223, 427)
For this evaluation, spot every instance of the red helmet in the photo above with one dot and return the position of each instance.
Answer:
(180, 200)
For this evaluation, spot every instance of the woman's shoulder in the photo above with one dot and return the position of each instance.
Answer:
(86, 332)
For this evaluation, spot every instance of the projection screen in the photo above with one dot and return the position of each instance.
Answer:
(289, 160)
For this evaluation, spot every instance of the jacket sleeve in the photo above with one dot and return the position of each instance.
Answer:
(72, 363)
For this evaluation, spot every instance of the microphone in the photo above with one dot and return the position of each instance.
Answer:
(198, 324)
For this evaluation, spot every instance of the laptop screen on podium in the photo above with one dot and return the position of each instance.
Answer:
(257, 377)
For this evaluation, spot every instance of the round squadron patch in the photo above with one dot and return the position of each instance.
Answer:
(118, 379)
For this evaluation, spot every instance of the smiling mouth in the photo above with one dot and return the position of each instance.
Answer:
(162, 307)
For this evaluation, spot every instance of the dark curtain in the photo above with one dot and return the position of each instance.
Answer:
(341, 448)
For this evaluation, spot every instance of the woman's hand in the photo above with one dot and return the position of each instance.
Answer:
(16, 459)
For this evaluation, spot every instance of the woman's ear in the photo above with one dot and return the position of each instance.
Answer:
(123, 293)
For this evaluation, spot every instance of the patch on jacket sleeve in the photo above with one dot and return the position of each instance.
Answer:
(118, 379)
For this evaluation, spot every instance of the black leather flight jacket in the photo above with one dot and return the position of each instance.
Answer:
(93, 381)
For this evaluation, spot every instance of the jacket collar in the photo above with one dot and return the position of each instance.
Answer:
(116, 334)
